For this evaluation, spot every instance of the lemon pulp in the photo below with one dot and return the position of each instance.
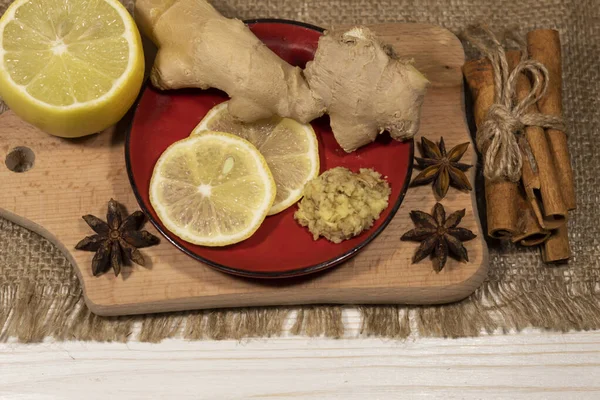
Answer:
(289, 148)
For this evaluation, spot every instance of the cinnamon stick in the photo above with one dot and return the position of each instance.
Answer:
(530, 233)
(503, 198)
(557, 248)
(543, 45)
(542, 187)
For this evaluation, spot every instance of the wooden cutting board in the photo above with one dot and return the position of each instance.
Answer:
(71, 178)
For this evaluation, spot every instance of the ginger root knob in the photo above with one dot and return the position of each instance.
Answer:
(365, 89)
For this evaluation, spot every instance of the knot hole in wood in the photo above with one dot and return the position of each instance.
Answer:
(20, 159)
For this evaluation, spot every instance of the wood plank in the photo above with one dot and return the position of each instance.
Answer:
(77, 177)
(531, 365)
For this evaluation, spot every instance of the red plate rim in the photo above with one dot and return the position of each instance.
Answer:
(245, 273)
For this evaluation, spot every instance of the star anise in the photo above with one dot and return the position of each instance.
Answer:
(439, 235)
(444, 169)
(116, 241)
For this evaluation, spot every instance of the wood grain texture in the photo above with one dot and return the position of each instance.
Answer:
(77, 177)
(527, 366)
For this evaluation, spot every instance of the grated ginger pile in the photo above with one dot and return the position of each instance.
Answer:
(340, 204)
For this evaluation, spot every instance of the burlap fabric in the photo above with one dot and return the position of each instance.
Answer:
(35, 278)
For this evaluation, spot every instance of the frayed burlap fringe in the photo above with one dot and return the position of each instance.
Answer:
(32, 312)
(316, 321)
(385, 321)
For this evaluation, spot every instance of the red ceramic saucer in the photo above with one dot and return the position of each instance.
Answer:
(281, 247)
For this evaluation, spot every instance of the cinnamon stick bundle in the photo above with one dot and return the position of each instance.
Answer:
(534, 210)
(542, 187)
(507, 214)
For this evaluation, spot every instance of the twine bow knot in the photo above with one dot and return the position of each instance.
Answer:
(506, 119)
(502, 117)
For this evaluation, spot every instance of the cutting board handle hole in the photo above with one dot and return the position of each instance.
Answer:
(20, 159)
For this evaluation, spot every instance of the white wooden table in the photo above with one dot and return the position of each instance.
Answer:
(529, 365)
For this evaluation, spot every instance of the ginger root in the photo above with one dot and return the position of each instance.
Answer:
(363, 87)
(200, 48)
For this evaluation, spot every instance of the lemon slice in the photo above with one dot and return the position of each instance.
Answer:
(213, 189)
(290, 148)
(71, 68)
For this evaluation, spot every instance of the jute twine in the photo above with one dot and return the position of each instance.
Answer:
(498, 138)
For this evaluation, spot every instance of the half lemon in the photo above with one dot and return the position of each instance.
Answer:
(212, 189)
(290, 149)
(71, 68)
